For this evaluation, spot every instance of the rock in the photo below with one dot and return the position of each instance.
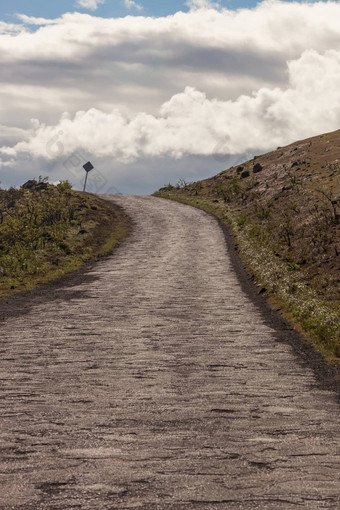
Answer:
(245, 174)
(33, 185)
(257, 168)
(29, 184)
(239, 169)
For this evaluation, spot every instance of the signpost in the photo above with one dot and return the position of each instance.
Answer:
(87, 167)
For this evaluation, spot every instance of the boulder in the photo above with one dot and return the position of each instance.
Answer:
(34, 185)
(29, 184)
(257, 168)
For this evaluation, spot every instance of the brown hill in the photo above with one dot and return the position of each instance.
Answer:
(295, 192)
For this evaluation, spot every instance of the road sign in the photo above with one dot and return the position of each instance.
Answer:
(87, 167)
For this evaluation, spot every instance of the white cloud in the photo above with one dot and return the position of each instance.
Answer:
(188, 84)
(131, 4)
(31, 20)
(10, 28)
(90, 4)
(190, 123)
(202, 4)
(138, 63)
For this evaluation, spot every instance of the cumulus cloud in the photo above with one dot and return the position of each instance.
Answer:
(90, 4)
(195, 83)
(143, 61)
(130, 4)
(191, 123)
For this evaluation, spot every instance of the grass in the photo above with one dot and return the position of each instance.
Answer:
(47, 231)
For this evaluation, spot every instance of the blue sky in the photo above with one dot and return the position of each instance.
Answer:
(111, 8)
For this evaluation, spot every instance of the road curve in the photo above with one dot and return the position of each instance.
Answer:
(156, 383)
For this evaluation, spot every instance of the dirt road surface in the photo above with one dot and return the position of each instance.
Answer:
(156, 382)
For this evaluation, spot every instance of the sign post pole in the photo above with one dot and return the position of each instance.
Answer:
(85, 181)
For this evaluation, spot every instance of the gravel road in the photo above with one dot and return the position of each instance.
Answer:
(156, 382)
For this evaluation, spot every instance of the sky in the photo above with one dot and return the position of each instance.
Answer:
(151, 92)
(108, 8)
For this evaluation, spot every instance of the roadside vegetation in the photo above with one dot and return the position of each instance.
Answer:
(47, 231)
(283, 210)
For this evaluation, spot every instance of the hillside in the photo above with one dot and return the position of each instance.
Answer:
(283, 209)
(47, 231)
